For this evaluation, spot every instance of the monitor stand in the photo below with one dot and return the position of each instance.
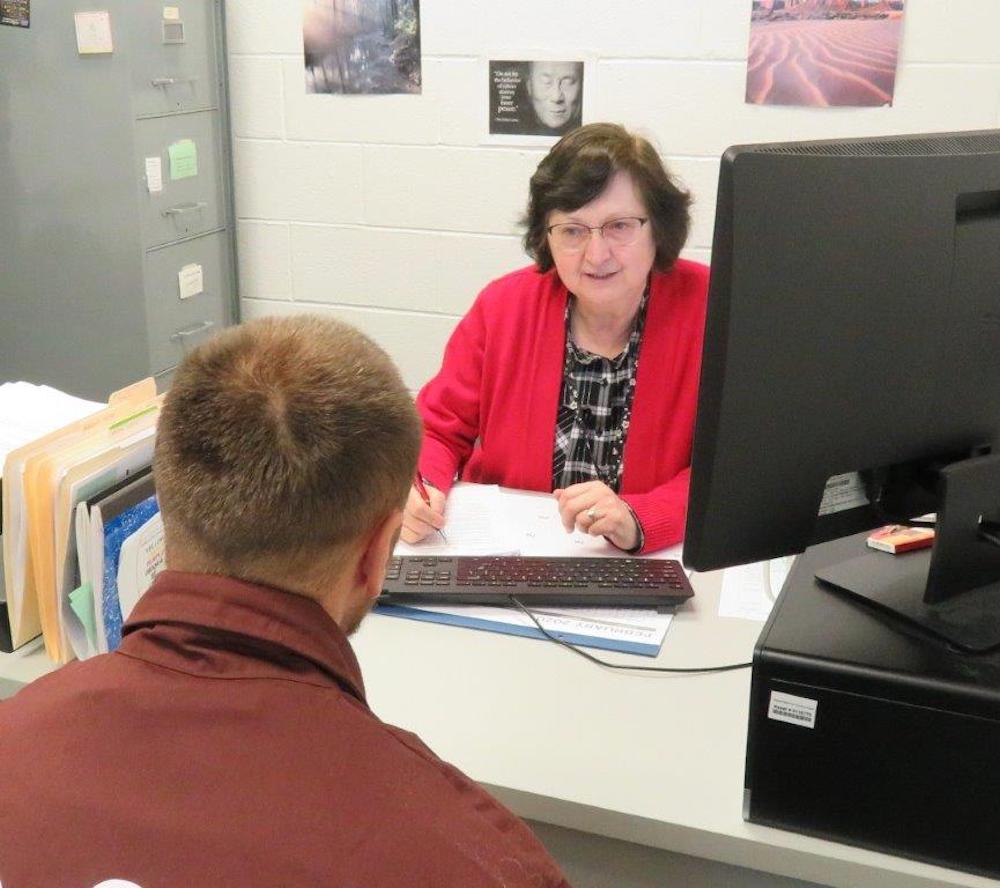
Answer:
(953, 590)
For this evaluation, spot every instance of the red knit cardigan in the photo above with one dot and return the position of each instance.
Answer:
(490, 413)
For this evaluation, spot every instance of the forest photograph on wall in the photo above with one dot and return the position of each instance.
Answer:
(361, 46)
(823, 52)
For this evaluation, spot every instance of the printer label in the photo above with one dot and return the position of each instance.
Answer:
(799, 711)
(846, 491)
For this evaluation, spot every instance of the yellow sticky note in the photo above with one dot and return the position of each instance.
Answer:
(183, 159)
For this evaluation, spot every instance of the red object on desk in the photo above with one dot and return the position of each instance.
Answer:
(897, 538)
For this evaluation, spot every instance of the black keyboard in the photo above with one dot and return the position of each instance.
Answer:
(588, 582)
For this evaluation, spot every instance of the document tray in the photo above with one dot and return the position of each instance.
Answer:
(568, 582)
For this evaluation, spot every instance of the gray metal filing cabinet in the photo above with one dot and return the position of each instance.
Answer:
(117, 249)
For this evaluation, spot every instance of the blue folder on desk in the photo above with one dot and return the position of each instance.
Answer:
(456, 617)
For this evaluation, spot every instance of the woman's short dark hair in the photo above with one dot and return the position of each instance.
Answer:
(580, 166)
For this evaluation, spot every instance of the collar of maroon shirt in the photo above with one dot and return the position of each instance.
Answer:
(219, 626)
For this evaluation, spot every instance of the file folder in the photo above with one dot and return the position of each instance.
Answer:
(30, 498)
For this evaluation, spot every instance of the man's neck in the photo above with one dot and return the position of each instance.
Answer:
(320, 580)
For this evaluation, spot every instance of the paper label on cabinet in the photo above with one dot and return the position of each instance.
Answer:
(93, 32)
(794, 710)
(190, 280)
(154, 174)
(171, 13)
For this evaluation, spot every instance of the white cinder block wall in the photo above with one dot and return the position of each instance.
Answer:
(390, 212)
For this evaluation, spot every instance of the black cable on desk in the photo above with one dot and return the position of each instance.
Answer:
(689, 669)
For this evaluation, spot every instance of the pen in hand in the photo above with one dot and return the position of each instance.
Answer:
(418, 482)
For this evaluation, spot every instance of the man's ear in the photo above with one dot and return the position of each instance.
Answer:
(377, 552)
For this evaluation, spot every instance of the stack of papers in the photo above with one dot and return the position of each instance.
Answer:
(483, 519)
(92, 449)
(477, 523)
(749, 591)
(487, 520)
(30, 411)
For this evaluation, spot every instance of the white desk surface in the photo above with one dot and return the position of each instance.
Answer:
(651, 759)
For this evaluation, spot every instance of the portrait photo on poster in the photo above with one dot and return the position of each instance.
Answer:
(535, 99)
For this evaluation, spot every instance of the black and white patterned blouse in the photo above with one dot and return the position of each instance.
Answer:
(594, 410)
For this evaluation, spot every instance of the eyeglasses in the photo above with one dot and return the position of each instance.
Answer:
(571, 237)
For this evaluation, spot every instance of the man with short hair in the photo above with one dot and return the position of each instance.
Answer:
(227, 742)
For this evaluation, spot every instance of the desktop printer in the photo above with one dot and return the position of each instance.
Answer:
(865, 732)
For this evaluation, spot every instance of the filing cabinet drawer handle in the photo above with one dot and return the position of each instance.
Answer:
(180, 209)
(182, 335)
(171, 81)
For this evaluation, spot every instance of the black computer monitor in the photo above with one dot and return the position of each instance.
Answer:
(851, 372)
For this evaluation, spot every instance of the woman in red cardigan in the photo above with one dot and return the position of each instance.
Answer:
(579, 374)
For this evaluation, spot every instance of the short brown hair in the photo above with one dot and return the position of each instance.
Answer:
(284, 437)
(580, 166)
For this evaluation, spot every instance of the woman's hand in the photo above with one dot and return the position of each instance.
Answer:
(594, 508)
(419, 519)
